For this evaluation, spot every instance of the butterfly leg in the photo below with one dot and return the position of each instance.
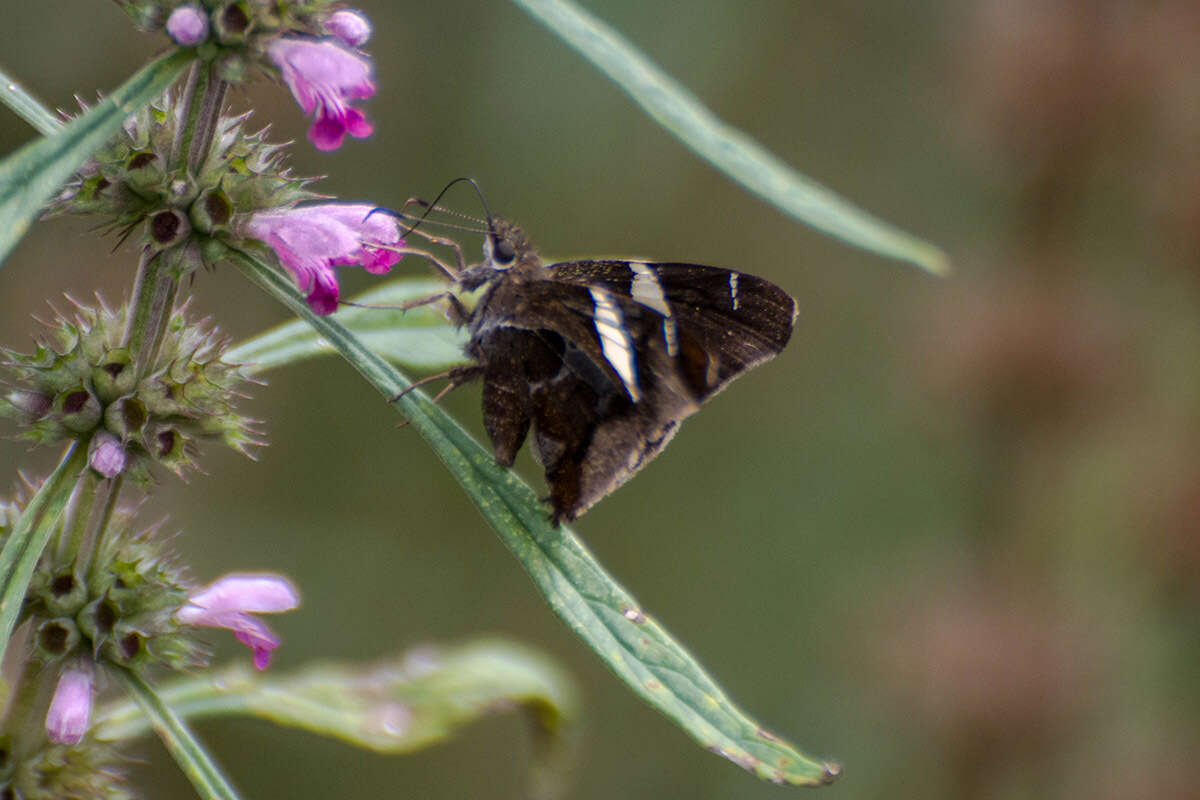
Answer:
(447, 270)
(445, 241)
(456, 377)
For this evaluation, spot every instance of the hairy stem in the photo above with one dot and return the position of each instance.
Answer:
(153, 299)
(75, 518)
(105, 504)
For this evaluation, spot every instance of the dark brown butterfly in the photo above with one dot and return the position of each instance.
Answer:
(604, 358)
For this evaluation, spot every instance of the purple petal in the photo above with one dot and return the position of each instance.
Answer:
(327, 133)
(323, 299)
(243, 592)
(356, 123)
(258, 637)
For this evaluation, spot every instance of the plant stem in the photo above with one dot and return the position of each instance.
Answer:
(75, 518)
(153, 299)
(156, 286)
(206, 121)
(105, 503)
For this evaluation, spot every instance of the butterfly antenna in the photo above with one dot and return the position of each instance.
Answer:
(446, 188)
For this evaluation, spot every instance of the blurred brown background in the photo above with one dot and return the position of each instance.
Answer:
(950, 537)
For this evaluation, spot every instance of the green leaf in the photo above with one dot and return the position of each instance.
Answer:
(635, 647)
(28, 107)
(30, 176)
(723, 146)
(29, 536)
(187, 751)
(400, 705)
(419, 338)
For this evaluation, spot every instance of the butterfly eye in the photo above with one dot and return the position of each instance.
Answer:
(503, 251)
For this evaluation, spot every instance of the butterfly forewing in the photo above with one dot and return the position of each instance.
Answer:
(735, 320)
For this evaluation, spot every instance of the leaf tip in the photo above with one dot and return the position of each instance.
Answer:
(832, 771)
(935, 262)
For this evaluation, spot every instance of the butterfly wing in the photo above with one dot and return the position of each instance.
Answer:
(717, 323)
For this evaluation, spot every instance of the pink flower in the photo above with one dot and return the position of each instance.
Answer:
(350, 26)
(187, 25)
(71, 709)
(107, 456)
(312, 240)
(324, 77)
(228, 602)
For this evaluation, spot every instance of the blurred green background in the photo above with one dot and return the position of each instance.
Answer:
(950, 537)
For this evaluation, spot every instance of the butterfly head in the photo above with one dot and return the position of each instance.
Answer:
(506, 246)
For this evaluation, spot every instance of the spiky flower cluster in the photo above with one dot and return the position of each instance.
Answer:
(120, 611)
(80, 383)
(126, 606)
(190, 210)
(58, 772)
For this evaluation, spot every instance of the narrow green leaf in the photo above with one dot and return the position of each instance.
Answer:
(187, 751)
(640, 651)
(30, 176)
(723, 146)
(400, 705)
(419, 338)
(28, 107)
(29, 536)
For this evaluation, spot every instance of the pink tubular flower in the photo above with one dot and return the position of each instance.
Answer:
(350, 26)
(324, 76)
(71, 709)
(188, 25)
(228, 602)
(312, 240)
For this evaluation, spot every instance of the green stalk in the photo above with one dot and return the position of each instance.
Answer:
(30, 535)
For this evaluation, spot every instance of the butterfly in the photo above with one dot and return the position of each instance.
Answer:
(603, 359)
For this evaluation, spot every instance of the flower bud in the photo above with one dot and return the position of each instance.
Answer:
(350, 26)
(187, 25)
(106, 454)
(70, 711)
